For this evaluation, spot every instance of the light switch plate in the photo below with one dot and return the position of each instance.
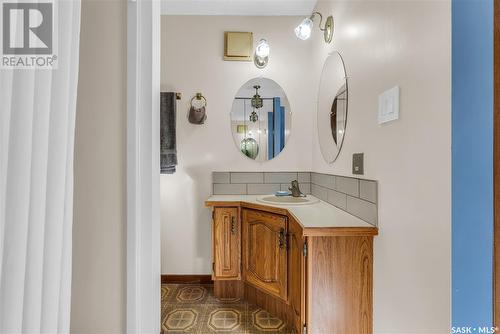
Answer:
(388, 105)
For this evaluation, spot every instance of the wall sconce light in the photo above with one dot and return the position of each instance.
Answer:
(261, 54)
(304, 29)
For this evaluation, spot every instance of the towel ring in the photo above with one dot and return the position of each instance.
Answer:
(199, 97)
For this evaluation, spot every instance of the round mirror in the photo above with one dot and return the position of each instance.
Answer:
(260, 119)
(332, 107)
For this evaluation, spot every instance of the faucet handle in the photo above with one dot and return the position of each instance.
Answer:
(295, 189)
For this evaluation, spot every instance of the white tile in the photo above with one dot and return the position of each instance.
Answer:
(337, 199)
(362, 209)
(230, 189)
(285, 186)
(347, 185)
(243, 177)
(319, 192)
(305, 188)
(280, 177)
(304, 177)
(368, 190)
(324, 180)
(263, 189)
(220, 177)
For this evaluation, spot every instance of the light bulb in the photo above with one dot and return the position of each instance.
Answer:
(303, 30)
(262, 49)
(261, 55)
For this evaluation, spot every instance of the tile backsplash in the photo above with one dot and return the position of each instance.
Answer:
(355, 196)
(258, 183)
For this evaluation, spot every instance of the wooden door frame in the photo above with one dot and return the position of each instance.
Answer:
(496, 162)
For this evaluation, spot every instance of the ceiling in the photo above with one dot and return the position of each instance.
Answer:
(238, 7)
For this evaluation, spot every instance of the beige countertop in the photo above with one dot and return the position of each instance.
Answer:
(318, 215)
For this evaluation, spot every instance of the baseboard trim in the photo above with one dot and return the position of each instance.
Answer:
(185, 279)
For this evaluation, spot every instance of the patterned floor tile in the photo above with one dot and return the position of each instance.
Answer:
(191, 294)
(265, 321)
(225, 318)
(164, 291)
(192, 308)
(260, 321)
(182, 318)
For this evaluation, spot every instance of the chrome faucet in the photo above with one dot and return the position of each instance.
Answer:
(295, 189)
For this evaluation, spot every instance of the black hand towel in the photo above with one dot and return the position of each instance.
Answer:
(168, 147)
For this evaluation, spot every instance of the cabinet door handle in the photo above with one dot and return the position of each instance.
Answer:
(233, 225)
(281, 238)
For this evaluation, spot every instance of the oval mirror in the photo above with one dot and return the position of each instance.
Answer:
(260, 119)
(332, 107)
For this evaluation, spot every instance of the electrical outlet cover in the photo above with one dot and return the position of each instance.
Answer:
(358, 163)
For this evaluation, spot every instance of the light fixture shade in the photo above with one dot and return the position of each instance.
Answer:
(261, 54)
(303, 30)
(262, 50)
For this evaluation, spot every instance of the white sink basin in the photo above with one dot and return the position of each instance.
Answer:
(287, 200)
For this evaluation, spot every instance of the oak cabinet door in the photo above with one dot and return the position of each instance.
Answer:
(296, 274)
(226, 243)
(265, 251)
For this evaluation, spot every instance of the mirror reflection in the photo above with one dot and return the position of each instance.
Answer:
(332, 107)
(260, 119)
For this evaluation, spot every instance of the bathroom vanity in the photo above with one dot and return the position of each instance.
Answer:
(309, 264)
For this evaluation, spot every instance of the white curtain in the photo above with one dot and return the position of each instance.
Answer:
(37, 122)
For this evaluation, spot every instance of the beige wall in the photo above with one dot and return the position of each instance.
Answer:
(384, 43)
(99, 230)
(405, 43)
(192, 61)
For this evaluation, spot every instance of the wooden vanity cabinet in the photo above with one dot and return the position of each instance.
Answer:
(265, 251)
(226, 243)
(318, 280)
(339, 284)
